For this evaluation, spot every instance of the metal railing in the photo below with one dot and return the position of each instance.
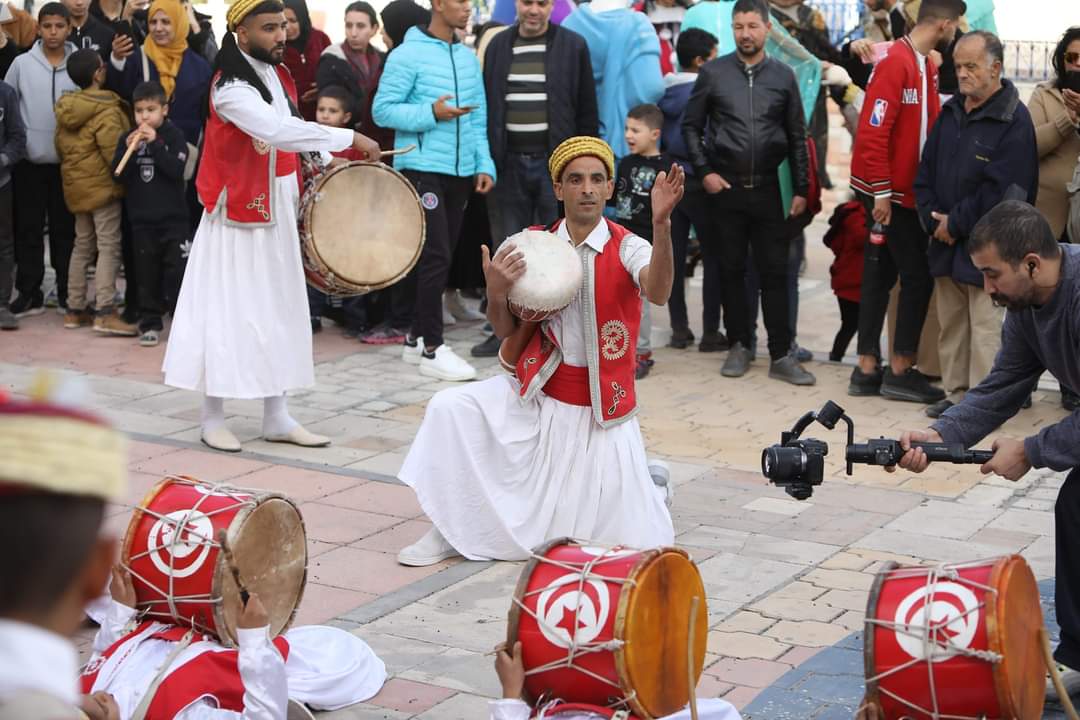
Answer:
(1029, 60)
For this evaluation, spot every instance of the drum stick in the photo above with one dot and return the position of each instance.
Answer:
(397, 151)
(690, 679)
(1055, 676)
(231, 562)
(124, 160)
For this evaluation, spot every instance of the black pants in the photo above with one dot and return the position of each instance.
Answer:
(39, 193)
(753, 218)
(7, 243)
(1067, 570)
(159, 266)
(444, 198)
(693, 210)
(129, 257)
(903, 255)
(849, 325)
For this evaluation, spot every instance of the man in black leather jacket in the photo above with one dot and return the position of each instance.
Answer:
(743, 120)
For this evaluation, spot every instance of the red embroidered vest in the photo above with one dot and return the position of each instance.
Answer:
(212, 672)
(237, 171)
(612, 306)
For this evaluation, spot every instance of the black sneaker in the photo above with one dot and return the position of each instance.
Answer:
(789, 370)
(27, 305)
(737, 362)
(488, 348)
(681, 338)
(1069, 400)
(713, 341)
(643, 367)
(8, 321)
(912, 386)
(935, 411)
(864, 384)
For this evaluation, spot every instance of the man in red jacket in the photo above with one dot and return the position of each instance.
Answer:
(901, 105)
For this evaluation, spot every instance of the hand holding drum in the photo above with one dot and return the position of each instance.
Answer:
(541, 271)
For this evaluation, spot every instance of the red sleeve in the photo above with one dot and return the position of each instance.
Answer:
(881, 108)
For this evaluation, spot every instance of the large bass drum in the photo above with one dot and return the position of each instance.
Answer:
(361, 228)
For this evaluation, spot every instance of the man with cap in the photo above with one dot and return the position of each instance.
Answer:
(555, 450)
(241, 327)
(58, 466)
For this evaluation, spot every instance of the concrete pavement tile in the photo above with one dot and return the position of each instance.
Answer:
(322, 602)
(1027, 521)
(170, 402)
(845, 599)
(376, 443)
(462, 706)
(945, 519)
(144, 423)
(808, 633)
(1040, 556)
(109, 389)
(366, 570)
(342, 525)
(786, 608)
(839, 579)
(1034, 504)
(462, 670)
(852, 620)
(940, 486)
(845, 561)
(926, 546)
(489, 592)
(409, 696)
(830, 525)
(336, 455)
(713, 538)
(787, 550)
(986, 495)
(798, 655)
(298, 483)
(1007, 540)
(383, 498)
(745, 645)
(209, 466)
(139, 451)
(710, 686)
(801, 591)
(139, 485)
(393, 540)
(751, 673)
(740, 696)
(854, 494)
(745, 621)
(399, 653)
(387, 463)
(738, 578)
(469, 631)
(363, 711)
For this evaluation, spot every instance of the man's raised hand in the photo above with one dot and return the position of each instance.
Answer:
(667, 191)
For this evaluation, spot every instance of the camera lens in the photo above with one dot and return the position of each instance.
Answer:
(781, 464)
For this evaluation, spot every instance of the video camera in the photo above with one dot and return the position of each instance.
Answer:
(798, 464)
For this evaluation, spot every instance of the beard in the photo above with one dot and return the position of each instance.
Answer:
(267, 55)
(750, 49)
(1017, 304)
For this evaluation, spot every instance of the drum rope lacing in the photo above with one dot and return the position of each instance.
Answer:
(182, 535)
(934, 648)
(585, 572)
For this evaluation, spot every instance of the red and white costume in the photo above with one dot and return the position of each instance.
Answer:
(241, 327)
(323, 667)
(502, 465)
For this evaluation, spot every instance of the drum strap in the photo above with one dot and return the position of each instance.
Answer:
(144, 704)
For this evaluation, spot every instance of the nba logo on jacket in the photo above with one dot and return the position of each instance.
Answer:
(877, 117)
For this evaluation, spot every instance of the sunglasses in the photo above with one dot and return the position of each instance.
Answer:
(1072, 57)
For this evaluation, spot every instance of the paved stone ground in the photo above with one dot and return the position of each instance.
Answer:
(784, 579)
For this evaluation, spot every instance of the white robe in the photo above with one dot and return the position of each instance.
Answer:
(241, 326)
(327, 669)
(710, 709)
(498, 477)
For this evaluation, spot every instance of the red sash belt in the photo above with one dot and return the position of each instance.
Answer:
(570, 385)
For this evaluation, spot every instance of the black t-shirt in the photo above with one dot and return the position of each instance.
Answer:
(633, 187)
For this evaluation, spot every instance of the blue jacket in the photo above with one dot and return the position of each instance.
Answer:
(192, 84)
(415, 76)
(673, 104)
(626, 65)
(970, 163)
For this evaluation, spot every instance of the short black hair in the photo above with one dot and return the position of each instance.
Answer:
(931, 10)
(336, 92)
(1016, 229)
(748, 6)
(694, 43)
(47, 539)
(149, 90)
(994, 48)
(649, 114)
(82, 65)
(361, 6)
(1058, 60)
(53, 9)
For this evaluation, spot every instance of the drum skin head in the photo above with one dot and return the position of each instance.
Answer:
(366, 225)
(269, 545)
(1014, 631)
(655, 625)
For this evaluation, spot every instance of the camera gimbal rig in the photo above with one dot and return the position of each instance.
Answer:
(798, 464)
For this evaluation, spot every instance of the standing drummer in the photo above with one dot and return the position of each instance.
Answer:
(1025, 270)
(503, 465)
(241, 327)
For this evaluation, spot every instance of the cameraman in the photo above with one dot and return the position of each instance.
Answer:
(1025, 270)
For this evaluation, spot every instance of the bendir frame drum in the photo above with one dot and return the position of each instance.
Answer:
(552, 274)
(178, 568)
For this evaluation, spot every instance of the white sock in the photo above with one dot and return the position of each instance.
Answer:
(213, 413)
(276, 418)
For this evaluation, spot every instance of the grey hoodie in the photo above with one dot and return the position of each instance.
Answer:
(39, 85)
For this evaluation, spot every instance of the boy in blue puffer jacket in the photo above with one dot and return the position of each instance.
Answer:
(432, 95)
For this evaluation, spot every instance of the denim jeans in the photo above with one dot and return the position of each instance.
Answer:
(523, 196)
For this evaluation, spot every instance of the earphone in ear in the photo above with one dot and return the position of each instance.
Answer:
(1031, 269)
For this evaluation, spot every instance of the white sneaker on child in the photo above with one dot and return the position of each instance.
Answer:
(446, 365)
(412, 353)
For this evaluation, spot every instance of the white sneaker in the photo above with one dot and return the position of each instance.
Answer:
(447, 316)
(412, 353)
(446, 365)
(428, 550)
(453, 302)
(661, 477)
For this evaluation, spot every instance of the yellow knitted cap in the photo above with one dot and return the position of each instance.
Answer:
(571, 149)
(238, 11)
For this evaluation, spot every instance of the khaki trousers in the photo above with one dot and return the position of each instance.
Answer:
(97, 231)
(970, 334)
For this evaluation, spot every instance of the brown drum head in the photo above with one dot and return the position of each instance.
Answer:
(269, 546)
(366, 225)
(1014, 632)
(654, 622)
